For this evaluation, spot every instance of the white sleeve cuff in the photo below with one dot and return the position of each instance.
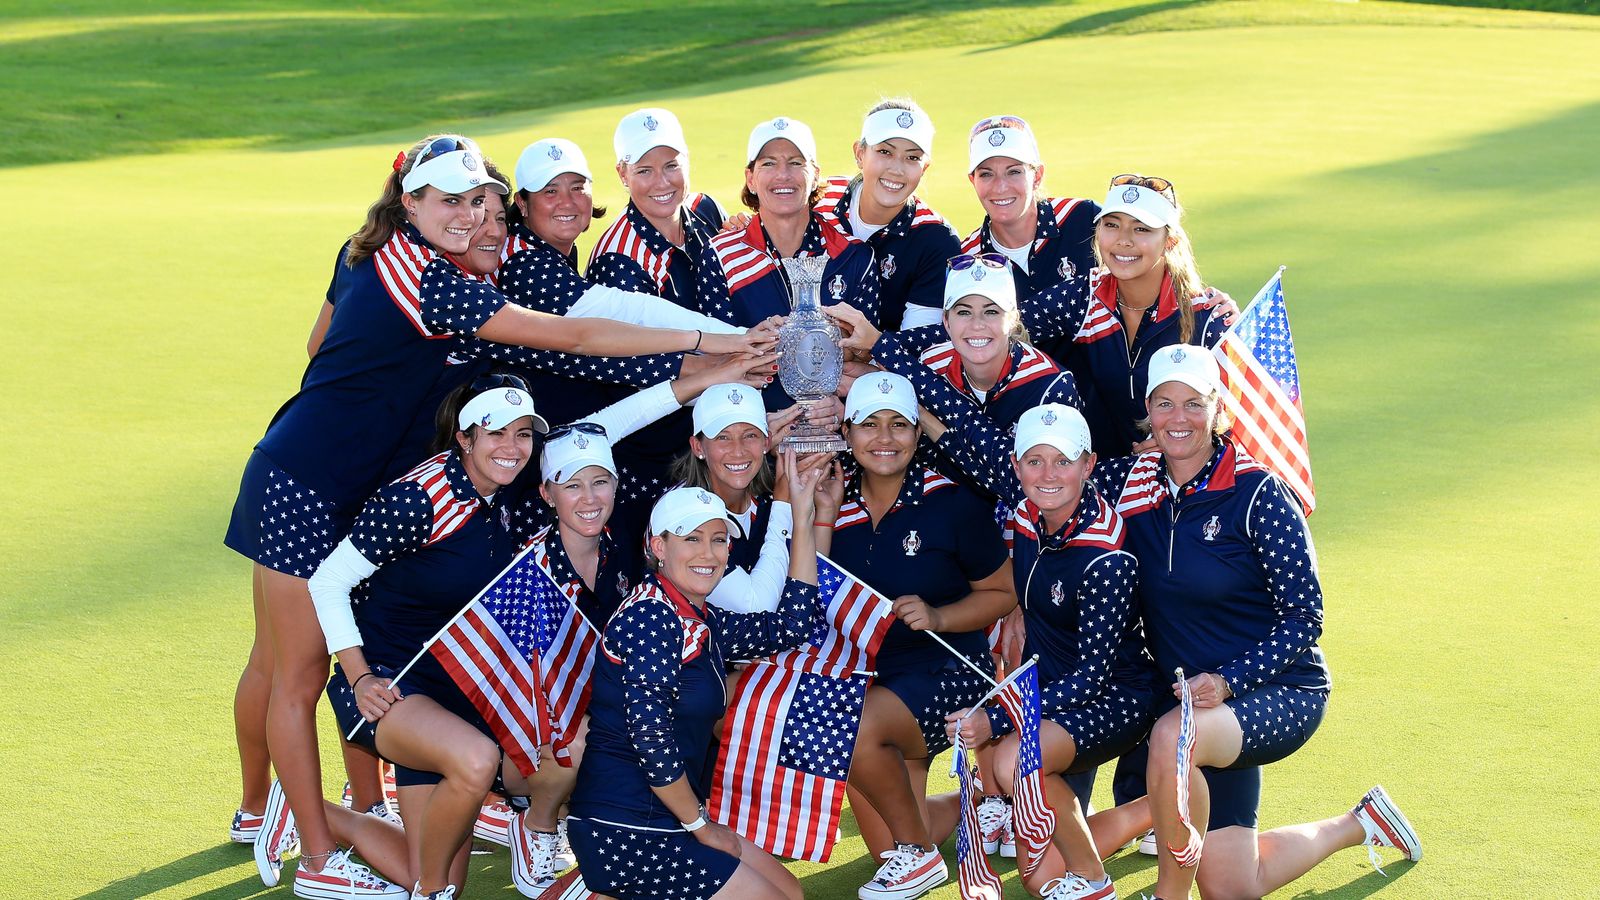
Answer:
(603, 302)
(917, 315)
(330, 589)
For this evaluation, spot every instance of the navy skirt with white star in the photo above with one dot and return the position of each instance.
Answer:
(933, 692)
(282, 524)
(1276, 721)
(647, 865)
(1112, 725)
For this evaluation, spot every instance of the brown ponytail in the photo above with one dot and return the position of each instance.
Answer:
(388, 213)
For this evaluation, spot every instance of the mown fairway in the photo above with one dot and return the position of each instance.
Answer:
(1428, 175)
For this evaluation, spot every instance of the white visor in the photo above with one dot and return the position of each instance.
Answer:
(682, 510)
(1007, 136)
(456, 172)
(498, 407)
(543, 160)
(1148, 206)
(884, 124)
(574, 451)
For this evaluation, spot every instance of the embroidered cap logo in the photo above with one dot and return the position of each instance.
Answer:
(650, 123)
(513, 398)
(996, 138)
(470, 162)
(904, 120)
(555, 152)
(1130, 195)
(1049, 417)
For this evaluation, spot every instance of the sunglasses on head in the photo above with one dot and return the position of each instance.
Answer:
(1159, 185)
(490, 382)
(561, 431)
(445, 144)
(998, 122)
(968, 260)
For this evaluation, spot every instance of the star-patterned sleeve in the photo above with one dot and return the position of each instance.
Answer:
(915, 341)
(633, 371)
(753, 634)
(1063, 389)
(1289, 562)
(1105, 603)
(452, 303)
(618, 271)
(649, 637)
(1211, 330)
(1057, 311)
(865, 296)
(1110, 475)
(397, 520)
(542, 280)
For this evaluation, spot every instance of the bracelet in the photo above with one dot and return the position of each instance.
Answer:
(358, 680)
(698, 337)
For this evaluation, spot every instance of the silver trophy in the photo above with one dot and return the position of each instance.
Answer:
(810, 362)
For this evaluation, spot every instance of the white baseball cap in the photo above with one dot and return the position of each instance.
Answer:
(791, 130)
(544, 159)
(1148, 206)
(1009, 136)
(1056, 424)
(643, 130)
(574, 449)
(1186, 364)
(682, 510)
(452, 164)
(498, 407)
(983, 280)
(729, 404)
(879, 391)
(913, 125)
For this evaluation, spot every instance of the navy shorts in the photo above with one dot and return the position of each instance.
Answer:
(934, 691)
(1235, 796)
(281, 523)
(348, 716)
(647, 865)
(1112, 725)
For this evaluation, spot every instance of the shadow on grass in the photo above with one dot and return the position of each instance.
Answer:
(182, 871)
(1365, 886)
(1106, 19)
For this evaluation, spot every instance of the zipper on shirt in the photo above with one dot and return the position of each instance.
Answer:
(1172, 533)
(1028, 588)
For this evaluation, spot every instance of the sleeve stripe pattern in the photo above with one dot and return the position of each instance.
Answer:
(742, 262)
(449, 511)
(400, 263)
(621, 238)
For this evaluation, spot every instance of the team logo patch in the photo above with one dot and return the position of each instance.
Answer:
(996, 138)
(1178, 355)
(887, 268)
(1066, 269)
(650, 123)
(735, 398)
(1130, 195)
(581, 442)
(780, 123)
(912, 543)
(836, 287)
(622, 583)
(555, 152)
(512, 398)
(470, 162)
(1049, 417)
(703, 497)
(1211, 529)
(885, 385)
(977, 273)
(904, 120)
(1058, 595)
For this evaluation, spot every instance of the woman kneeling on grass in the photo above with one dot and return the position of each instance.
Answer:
(1230, 592)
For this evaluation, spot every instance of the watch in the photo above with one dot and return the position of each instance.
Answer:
(699, 822)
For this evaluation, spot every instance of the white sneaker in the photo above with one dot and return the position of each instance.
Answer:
(342, 878)
(382, 811)
(994, 822)
(391, 794)
(533, 858)
(908, 871)
(1386, 826)
(565, 859)
(245, 827)
(1076, 887)
(448, 892)
(276, 838)
(1147, 844)
(494, 823)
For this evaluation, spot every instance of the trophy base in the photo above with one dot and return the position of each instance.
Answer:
(819, 441)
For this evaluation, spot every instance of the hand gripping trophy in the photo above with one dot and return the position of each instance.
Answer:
(810, 362)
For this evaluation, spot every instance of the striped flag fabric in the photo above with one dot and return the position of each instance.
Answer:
(1189, 854)
(1034, 821)
(522, 653)
(791, 726)
(569, 887)
(975, 877)
(1262, 390)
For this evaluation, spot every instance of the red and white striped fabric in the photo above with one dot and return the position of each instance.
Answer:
(400, 262)
(743, 255)
(566, 671)
(449, 511)
(1034, 821)
(973, 873)
(1189, 854)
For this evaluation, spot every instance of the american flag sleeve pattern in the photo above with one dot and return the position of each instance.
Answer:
(1283, 549)
(1057, 311)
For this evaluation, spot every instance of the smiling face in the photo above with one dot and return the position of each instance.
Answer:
(583, 503)
(1007, 188)
(447, 221)
(560, 211)
(1128, 247)
(890, 171)
(979, 329)
(693, 563)
(1181, 421)
(883, 443)
(657, 182)
(732, 458)
(782, 179)
(1051, 481)
(483, 254)
(493, 458)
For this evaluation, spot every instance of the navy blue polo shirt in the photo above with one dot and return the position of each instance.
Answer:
(1227, 570)
(936, 539)
(658, 691)
(911, 251)
(1063, 249)
(436, 543)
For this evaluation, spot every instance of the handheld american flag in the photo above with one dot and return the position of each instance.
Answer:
(1035, 821)
(791, 727)
(1189, 854)
(1262, 390)
(976, 878)
(522, 654)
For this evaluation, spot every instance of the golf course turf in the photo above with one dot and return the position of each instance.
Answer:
(180, 178)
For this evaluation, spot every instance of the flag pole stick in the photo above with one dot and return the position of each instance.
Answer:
(963, 657)
(440, 633)
(1033, 661)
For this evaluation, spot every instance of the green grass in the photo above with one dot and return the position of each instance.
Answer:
(1425, 172)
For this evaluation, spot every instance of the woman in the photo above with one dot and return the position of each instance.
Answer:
(401, 311)
(1075, 583)
(637, 822)
(935, 548)
(425, 545)
(1228, 579)
(879, 205)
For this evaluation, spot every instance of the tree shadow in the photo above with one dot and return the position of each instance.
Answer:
(1101, 20)
(181, 871)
